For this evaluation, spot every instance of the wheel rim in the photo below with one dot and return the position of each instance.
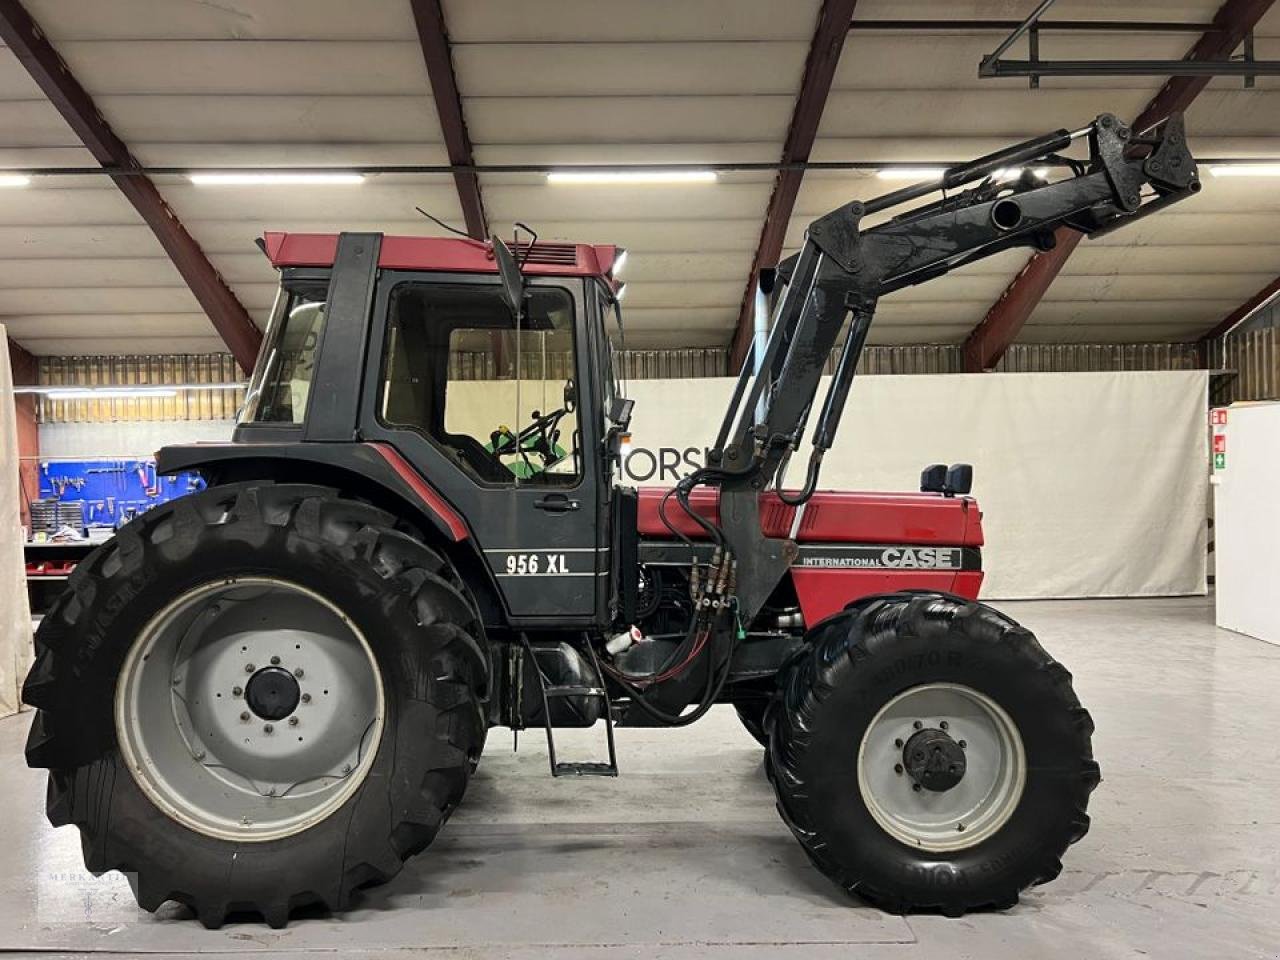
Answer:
(249, 709)
(974, 784)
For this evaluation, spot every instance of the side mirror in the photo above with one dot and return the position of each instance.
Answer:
(933, 479)
(959, 479)
(512, 278)
(618, 436)
(620, 412)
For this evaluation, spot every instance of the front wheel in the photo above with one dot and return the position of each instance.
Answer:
(256, 698)
(929, 755)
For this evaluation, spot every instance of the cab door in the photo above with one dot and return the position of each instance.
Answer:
(486, 409)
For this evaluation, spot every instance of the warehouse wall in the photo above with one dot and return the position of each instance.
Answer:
(1094, 482)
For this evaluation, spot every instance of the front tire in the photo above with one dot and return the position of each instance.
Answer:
(231, 785)
(929, 755)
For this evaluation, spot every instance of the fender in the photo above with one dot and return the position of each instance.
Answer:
(375, 472)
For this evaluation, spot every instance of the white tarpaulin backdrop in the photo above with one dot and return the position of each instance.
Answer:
(1091, 484)
(15, 617)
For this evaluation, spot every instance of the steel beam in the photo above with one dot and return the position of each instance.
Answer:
(1243, 312)
(1044, 26)
(1134, 68)
(989, 340)
(433, 37)
(819, 71)
(29, 44)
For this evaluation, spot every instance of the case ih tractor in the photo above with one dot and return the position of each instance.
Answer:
(272, 692)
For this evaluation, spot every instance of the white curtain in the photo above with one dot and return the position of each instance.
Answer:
(15, 615)
(1091, 484)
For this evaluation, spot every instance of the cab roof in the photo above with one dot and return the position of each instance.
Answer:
(446, 254)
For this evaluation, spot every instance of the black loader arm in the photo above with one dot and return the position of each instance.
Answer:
(844, 269)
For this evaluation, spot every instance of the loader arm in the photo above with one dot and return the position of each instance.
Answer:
(843, 269)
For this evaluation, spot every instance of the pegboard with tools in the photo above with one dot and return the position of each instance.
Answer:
(111, 492)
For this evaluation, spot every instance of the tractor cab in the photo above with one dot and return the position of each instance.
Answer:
(489, 370)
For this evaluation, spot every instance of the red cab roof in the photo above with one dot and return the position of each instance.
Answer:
(445, 254)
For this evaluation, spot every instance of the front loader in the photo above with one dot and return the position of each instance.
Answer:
(272, 692)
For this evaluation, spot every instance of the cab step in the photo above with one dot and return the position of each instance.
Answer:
(551, 692)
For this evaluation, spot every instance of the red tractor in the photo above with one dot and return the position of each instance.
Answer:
(272, 692)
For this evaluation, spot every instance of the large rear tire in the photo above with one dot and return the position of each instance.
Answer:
(929, 755)
(256, 698)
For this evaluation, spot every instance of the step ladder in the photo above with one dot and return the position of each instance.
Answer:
(552, 692)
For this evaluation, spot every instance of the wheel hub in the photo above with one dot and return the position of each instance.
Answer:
(239, 751)
(941, 767)
(934, 760)
(272, 693)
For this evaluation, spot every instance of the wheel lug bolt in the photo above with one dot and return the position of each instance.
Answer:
(306, 698)
(898, 743)
(917, 725)
(293, 722)
(245, 716)
(963, 744)
(267, 728)
(897, 768)
(943, 725)
(915, 787)
(960, 827)
(298, 673)
(236, 691)
(248, 668)
(275, 661)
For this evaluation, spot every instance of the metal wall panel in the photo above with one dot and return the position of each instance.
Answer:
(1251, 364)
(1029, 358)
(155, 371)
(1254, 354)
(1075, 357)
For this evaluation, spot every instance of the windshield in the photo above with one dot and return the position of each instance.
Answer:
(281, 383)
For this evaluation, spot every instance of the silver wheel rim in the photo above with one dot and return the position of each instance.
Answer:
(975, 808)
(249, 709)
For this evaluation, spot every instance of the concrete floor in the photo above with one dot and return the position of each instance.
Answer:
(684, 856)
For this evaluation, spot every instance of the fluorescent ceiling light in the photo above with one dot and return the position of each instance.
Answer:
(631, 176)
(112, 393)
(14, 180)
(168, 389)
(272, 179)
(1245, 170)
(910, 173)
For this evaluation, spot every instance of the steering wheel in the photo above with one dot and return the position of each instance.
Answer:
(538, 438)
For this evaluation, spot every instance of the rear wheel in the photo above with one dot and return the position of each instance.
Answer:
(929, 755)
(257, 698)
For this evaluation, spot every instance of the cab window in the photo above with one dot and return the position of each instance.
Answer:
(281, 384)
(499, 401)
